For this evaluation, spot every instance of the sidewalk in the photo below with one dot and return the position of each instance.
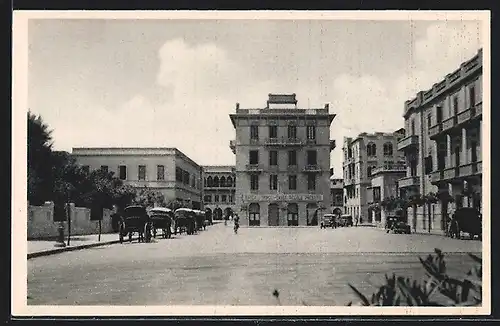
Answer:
(37, 248)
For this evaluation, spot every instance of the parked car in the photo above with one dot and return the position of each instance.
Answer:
(466, 219)
(395, 224)
(328, 220)
(344, 220)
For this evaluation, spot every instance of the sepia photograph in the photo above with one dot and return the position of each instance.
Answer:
(250, 163)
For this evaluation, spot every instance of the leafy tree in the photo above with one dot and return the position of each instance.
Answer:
(148, 197)
(39, 160)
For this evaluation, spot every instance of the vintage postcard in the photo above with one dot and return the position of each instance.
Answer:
(234, 163)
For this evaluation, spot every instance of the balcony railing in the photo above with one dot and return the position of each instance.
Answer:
(445, 175)
(412, 181)
(389, 168)
(349, 181)
(470, 114)
(311, 141)
(254, 168)
(470, 169)
(284, 141)
(442, 127)
(312, 168)
(410, 141)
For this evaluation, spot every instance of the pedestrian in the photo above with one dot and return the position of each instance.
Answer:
(356, 220)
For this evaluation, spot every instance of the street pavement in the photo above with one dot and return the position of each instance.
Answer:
(217, 267)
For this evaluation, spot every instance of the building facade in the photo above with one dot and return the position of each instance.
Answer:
(166, 170)
(443, 146)
(384, 185)
(336, 195)
(282, 163)
(219, 187)
(361, 156)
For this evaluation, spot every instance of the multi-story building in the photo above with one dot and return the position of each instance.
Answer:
(167, 170)
(443, 146)
(219, 187)
(361, 155)
(282, 163)
(384, 185)
(336, 195)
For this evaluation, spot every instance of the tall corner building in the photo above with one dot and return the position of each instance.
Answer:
(282, 163)
(362, 157)
(443, 146)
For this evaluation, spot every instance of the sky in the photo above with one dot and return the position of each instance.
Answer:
(173, 83)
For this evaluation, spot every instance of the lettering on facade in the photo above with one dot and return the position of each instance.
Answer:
(282, 197)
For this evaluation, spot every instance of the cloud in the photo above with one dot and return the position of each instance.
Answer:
(200, 84)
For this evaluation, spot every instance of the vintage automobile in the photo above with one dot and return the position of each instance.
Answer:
(161, 218)
(185, 221)
(468, 220)
(396, 224)
(328, 220)
(135, 219)
(344, 220)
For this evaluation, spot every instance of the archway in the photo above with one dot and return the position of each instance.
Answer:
(254, 214)
(218, 213)
(228, 212)
(210, 182)
(222, 181)
(208, 214)
(293, 214)
(311, 211)
(273, 215)
(216, 182)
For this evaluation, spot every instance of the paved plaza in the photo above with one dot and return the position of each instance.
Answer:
(217, 267)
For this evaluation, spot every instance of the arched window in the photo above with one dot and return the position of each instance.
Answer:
(371, 149)
(293, 215)
(216, 181)
(222, 181)
(229, 181)
(254, 214)
(210, 182)
(204, 182)
(387, 149)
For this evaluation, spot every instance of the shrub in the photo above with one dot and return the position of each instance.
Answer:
(438, 289)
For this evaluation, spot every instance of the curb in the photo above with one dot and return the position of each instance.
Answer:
(71, 248)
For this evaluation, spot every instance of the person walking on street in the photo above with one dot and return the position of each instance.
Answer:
(236, 220)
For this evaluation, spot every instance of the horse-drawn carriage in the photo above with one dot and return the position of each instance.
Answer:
(185, 221)
(161, 218)
(135, 219)
(466, 219)
(200, 219)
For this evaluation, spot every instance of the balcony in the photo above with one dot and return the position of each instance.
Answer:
(312, 168)
(389, 168)
(470, 114)
(311, 141)
(444, 175)
(283, 141)
(412, 181)
(442, 127)
(232, 145)
(470, 169)
(408, 142)
(254, 168)
(332, 144)
(349, 181)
